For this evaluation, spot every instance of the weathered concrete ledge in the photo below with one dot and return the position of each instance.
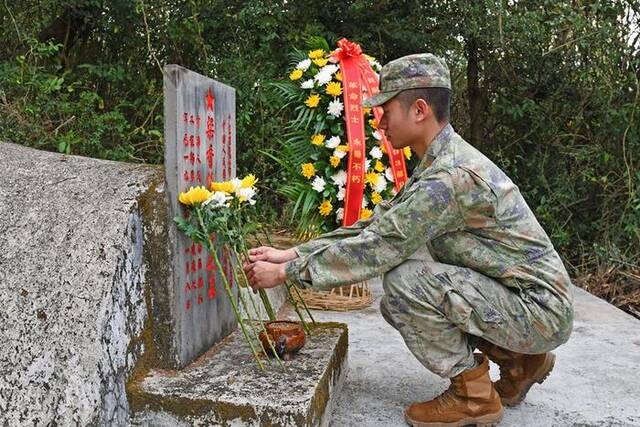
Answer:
(72, 285)
(225, 386)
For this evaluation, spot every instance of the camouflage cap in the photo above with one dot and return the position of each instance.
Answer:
(410, 72)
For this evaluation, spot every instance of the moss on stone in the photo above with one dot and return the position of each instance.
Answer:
(154, 335)
(335, 367)
(224, 412)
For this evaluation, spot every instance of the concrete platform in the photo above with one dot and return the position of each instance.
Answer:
(225, 386)
(595, 381)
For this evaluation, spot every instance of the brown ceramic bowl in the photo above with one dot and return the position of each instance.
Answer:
(287, 337)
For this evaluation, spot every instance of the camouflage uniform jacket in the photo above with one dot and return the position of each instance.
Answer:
(465, 210)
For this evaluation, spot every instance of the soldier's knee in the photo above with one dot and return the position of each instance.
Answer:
(385, 310)
(390, 280)
(396, 278)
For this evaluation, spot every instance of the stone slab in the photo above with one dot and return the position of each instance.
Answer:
(200, 136)
(594, 382)
(225, 386)
(72, 284)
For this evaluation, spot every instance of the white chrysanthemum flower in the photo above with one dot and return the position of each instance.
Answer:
(339, 214)
(304, 65)
(246, 195)
(237, 184)
(367, 164)
(335, 108)
(307, 84)
(376, 152)
(323, 78)
(388, 173)
(318, 184)
(218, 199)
(339, 153)
(329, 69)
(377, 135)
(341, 194)
(380, 184)
(332, 142)
(365, 202)
(339, 178)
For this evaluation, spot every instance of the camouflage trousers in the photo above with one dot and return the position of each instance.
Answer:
(442, 311)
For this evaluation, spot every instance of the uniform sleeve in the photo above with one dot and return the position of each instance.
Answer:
(326, 239)
(426, 211)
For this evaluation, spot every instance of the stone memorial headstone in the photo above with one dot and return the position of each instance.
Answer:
(199, 130)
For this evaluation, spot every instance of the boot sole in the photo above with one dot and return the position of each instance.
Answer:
(538, 378)
(488, 420)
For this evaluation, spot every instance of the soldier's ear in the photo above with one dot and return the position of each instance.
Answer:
(422, 110)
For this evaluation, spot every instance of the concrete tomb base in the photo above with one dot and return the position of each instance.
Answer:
(225, 386)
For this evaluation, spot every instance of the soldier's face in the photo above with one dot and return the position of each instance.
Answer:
(397, 125)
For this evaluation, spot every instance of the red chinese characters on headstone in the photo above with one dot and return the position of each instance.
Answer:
(224, 149)
(229, 147)
(211, 127)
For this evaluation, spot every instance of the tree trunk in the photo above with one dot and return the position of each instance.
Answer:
(476, 108)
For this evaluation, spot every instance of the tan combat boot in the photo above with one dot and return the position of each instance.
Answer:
(471, 399)
(518, 371)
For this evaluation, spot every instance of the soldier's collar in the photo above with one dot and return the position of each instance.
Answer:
(440, 141)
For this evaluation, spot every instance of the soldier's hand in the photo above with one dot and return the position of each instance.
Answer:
(262, 274)
(269, 254)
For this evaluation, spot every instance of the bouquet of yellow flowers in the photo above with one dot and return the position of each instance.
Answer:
(315, 148)
(222, 210)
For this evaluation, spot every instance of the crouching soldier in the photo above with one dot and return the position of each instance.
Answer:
(466, 264)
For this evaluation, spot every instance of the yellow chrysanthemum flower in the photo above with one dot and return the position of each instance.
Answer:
(308, 170)
(343, 147)
(321, 62)
(184, 199)
(315, 54)
(295, 74)
(335, 161)
(366, 110)
(371, 178)
(194, 196)
(376, 198)
(407, 152)
(338, 76)
(313, 101)
(383, 148)
(248, 181)
(226, 186)
(365, 213)
(325, 208)
(379, 166)
(334, 89)
(373, 123)
(317, 139)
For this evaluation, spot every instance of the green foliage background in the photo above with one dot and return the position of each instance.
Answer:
(548, 89)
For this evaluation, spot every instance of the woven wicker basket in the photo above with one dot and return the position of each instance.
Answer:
(345, 298)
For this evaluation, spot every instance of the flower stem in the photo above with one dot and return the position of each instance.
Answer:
(290, 285)
(227, 288)
(245, 306)
(263, 294)
(255, 308)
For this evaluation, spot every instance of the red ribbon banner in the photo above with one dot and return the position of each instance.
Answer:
(358, 77)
